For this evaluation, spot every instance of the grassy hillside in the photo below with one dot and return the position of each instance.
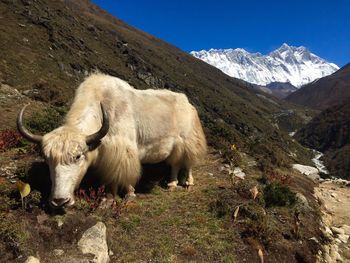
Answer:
(55, 47)
(48, 48)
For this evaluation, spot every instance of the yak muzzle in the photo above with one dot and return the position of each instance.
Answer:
(60, 202)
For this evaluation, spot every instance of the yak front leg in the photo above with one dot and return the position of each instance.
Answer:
(173, 178)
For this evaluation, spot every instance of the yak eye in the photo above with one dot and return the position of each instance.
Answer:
(78, 157)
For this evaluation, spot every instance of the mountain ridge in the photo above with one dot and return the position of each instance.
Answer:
(296, 65)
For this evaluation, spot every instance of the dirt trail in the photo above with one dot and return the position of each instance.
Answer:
(336, 200)
(335, 196)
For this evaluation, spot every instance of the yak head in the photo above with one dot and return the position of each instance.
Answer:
(68, 154)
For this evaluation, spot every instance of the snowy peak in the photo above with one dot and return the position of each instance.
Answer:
(296, 65)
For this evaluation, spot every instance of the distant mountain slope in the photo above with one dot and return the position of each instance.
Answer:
(296, 65)
(329, 132)
(325, 92)
(281, 90)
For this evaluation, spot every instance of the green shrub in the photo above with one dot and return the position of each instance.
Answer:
(44, 122)
(257, 223)
(276, 194)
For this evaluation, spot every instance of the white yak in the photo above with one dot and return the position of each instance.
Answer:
(115, 128)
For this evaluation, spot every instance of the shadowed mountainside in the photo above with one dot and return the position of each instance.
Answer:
(325, 92)
(329, 132)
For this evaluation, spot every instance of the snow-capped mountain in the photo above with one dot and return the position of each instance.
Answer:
(296, 65)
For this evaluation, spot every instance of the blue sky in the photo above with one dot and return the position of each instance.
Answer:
(257, 26)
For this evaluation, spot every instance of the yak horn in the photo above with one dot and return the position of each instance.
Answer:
(94, 140)
(23, 131)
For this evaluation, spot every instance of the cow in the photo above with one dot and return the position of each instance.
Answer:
(116, 128)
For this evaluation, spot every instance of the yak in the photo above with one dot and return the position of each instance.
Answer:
(115, 128)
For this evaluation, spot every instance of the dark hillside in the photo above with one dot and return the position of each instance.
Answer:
(329, 132)
(325, 92)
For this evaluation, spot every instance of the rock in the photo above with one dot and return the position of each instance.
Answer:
(334, 195)
(94, 242)
(210, 174)
(346, 229)
(59, 222)
(32, 259)
(239, 173)
(327, 232)
(337, 230)
(77, 260)
(314, 239)
(343, 238)
(333, 253)
(58, 252)
(309, 171)
(302, 199)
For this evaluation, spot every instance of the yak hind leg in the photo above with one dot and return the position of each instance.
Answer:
(189, 180)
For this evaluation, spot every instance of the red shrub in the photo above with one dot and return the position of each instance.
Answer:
(91, 196)
(283, 179)
(9, 139)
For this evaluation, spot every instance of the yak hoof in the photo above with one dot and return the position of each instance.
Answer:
(172, 186)
(107, 202)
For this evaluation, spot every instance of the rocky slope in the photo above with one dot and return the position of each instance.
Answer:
(329, 132)
(325, 92)
(296, 65)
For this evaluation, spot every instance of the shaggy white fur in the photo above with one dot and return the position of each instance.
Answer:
(146, 126)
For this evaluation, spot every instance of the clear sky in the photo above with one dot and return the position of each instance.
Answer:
(257, 26)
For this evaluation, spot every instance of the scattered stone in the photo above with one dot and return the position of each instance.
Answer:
(210, 174)
(239, 173)
(59, 222)
(334, 195)
(77, 260)
(337, 230)
(343, 238)
(58, 252)
(314, 239)
(327, 232)
(94, 242)
(309, 171)
(32, 259)
(346, 229)
(302, 199)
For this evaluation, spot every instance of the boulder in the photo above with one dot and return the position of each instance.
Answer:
(337, 230)
(94, 242)
(310, 171)
(32, 259)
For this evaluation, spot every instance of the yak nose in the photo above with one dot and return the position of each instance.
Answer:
(58, 202)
